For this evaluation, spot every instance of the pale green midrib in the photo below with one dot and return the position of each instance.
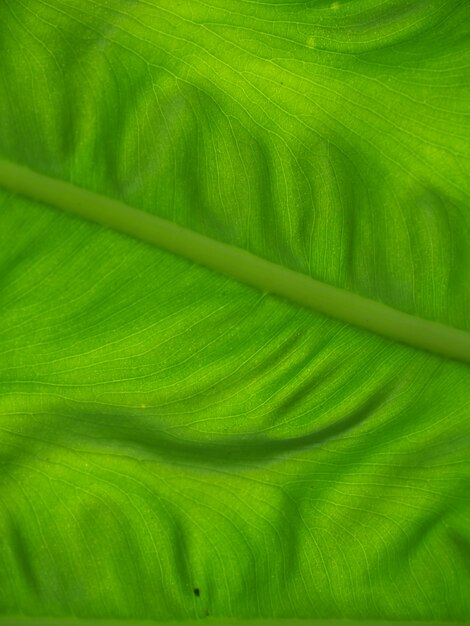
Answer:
(239, 264)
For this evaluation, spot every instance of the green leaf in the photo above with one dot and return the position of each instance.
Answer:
(182, 437)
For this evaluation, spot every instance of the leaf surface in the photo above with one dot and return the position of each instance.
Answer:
(165, 428)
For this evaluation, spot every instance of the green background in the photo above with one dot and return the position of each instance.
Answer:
(163, 427)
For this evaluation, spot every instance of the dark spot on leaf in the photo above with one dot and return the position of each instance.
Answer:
(196, 591)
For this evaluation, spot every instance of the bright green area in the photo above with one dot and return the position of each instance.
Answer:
(240, 264)
(164, 427)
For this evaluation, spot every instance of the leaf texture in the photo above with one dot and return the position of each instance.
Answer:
(164, 428)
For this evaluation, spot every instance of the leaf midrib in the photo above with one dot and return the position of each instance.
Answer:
(239, 264)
